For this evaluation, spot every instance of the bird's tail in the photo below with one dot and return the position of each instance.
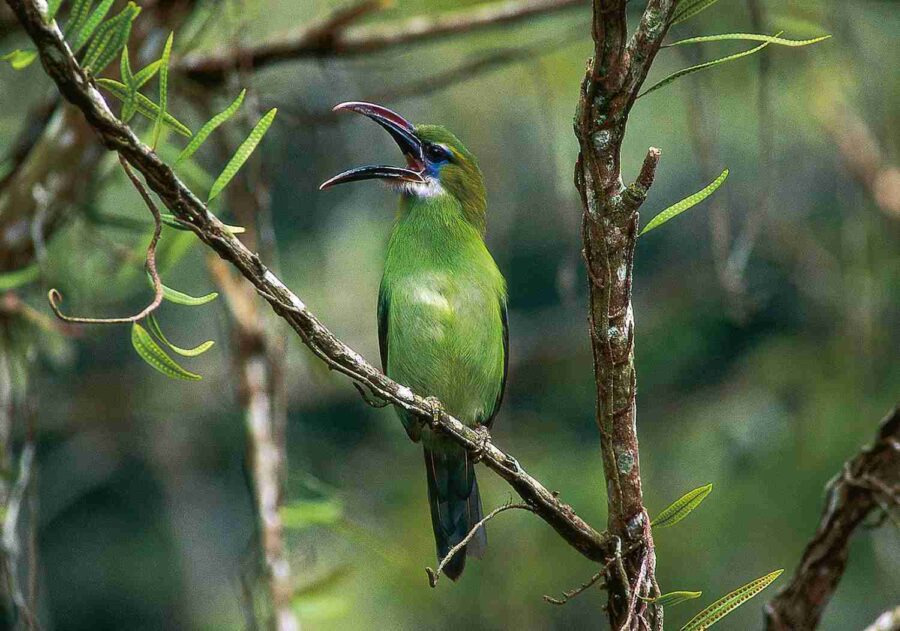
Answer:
(455, 505)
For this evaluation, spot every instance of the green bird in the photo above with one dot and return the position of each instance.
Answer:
(442, 324)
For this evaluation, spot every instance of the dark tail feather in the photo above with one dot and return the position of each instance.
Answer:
(455, 505)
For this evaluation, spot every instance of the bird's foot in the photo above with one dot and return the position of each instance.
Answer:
(437, 409)
(484, 437)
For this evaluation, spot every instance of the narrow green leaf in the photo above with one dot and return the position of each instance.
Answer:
(163, 89)
(19, 277)
(306, 513)
(146, 73)
(20, 59)
(52, 8)
(129, 107)
(145, 107)
(77, 16)
(681, 507)
(181, 298)
(708, 64)
(243, 152)
(673, 598)
(91, 24)
(184, 352)
(685, 204)
(725, 605)
(753, 37)
(151, 353)
(111, 36)
(688, 9)
(210, 127)
(174, 222)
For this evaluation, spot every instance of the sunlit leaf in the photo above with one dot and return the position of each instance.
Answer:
(129, 107)
(753, 37)
(163, 89)
(181, 298)
(151, 353)
(306, 513)
(210, 127)
(184, 352)
(20, 59)
(243, 152)
(673, 598)
(689, 8)
(681, 507)
(725, 605)
(686, 203)
(145, 107)
(708, 64)
(91, 24)
(19, 277)
(111, 36)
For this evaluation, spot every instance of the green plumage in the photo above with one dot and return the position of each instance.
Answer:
(442, 328)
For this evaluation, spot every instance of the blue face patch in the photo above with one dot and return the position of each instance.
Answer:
(436, 157)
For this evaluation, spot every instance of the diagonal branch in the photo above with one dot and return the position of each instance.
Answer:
(868, 482)
(333, 38)
(76, 87)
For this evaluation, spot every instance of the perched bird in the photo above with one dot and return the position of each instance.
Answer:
(442, 325)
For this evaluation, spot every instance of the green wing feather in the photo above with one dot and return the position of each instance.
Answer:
(505, 319)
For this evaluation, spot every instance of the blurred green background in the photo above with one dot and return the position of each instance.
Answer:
(763, 387)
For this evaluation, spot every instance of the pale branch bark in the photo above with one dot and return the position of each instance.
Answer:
(888, 621)
(610, 221)
(333, 38)
(868, 483)
(258, 350)
(77, 88)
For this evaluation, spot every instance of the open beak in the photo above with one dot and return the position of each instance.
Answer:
(403, 134)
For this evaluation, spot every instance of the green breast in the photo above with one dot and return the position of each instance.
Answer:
(441, 312)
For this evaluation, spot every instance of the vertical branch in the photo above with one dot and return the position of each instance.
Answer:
(610, 222)
(258, 350)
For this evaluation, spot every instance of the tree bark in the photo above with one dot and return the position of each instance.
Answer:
(609, 225)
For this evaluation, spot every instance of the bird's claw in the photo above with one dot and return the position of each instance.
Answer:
(436, 408)
(484, 437)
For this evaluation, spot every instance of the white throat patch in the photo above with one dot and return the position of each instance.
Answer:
(431, 187)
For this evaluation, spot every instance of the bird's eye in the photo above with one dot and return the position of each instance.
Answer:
(436, 153)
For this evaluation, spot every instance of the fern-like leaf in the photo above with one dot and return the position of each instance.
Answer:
(725, 605)
(686, 203)
(163, 89)
(91, 24)
(210, 127)
(78, 16)
(752, 37)
(680, 508)
(145, 107)
(111, 36)
(689, 8)
(240, 156)
(184, 352)
(708, 64)
(151, 353)
(146, 73)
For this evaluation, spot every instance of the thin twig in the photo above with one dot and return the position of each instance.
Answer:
(434, 575)
(569, 595)
(332, 38)
(54, 297)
